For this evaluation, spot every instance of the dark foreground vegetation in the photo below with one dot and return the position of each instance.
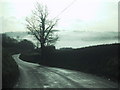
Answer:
(100, 60)
(10, 71)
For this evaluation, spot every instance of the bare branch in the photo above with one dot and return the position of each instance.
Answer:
(40, 26)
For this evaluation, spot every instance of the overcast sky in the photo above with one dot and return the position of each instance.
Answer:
(81, 15)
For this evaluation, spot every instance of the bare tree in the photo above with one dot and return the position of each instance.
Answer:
(41, 26)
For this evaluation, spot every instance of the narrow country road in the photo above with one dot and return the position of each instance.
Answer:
(38, 76)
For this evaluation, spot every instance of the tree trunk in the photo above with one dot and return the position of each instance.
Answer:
(42, 52)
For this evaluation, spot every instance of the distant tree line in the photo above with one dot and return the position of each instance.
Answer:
(13, 45)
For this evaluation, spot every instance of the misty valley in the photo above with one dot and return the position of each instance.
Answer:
(79, 38)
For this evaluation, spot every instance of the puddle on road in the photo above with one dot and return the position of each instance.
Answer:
(55, 82)
(46, 86)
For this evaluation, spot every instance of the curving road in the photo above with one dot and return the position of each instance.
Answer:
(38, 76)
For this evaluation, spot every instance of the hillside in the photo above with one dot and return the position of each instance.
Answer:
(10, 70)
(100, 60)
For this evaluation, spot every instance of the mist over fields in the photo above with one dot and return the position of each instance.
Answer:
(74, 39)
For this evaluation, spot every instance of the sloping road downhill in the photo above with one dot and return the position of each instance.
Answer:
(36, 76)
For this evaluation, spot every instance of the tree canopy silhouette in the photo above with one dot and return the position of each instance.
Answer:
(41, 26)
